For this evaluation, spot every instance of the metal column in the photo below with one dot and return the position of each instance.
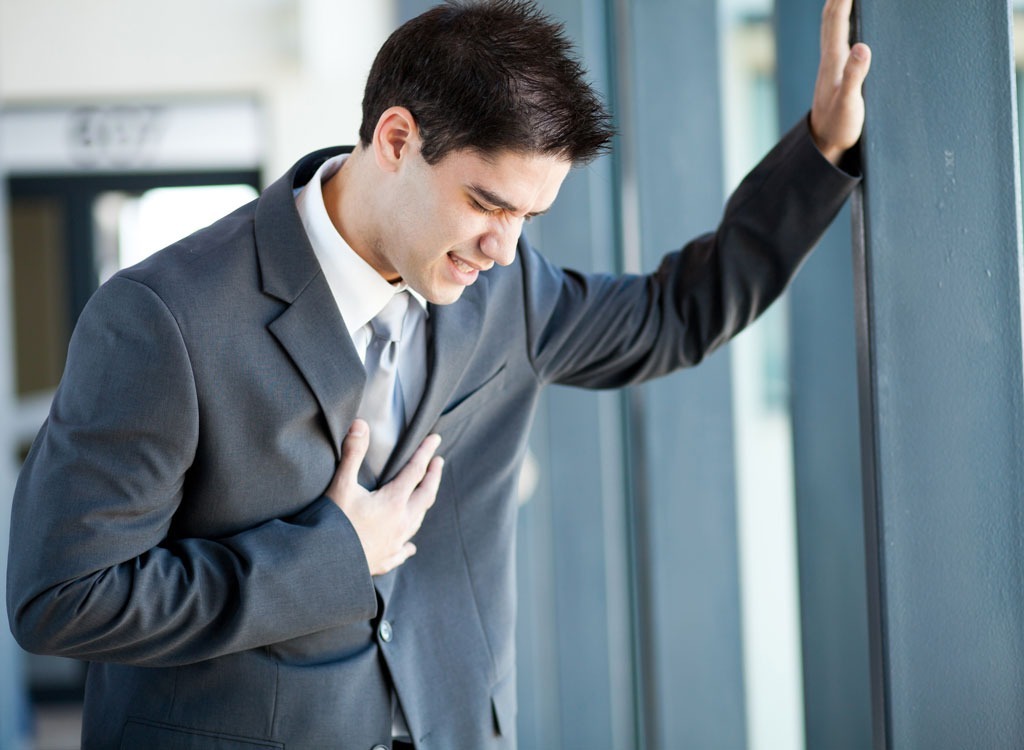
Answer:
(941, 376)
(826, 451)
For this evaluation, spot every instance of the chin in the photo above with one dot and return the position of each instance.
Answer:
(439, 293)
(445, 296)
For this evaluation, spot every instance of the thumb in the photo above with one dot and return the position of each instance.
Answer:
(353, 451)
(856, 69)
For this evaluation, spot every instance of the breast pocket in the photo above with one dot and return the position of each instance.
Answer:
(463, 408)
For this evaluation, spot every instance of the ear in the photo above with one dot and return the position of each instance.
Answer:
(395, 138)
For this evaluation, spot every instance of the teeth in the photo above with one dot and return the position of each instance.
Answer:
(462, 266)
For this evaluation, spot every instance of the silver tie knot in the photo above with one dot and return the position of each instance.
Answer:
(388, 322)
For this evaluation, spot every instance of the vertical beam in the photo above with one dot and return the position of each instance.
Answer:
(941, 375)
(826, 451)
(685, 477)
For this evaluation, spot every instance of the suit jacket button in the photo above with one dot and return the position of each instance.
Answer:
(380, 747)
(385, 632)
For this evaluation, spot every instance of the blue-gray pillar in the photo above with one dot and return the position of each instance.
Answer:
(826, 448)
(941, 375)
(684, 470)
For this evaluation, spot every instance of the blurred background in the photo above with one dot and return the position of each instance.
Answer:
(691, 554)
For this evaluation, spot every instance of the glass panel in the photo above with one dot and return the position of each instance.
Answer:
(764, 463)
(39, 269)
(129, 226)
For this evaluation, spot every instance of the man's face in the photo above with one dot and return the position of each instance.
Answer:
(459, 217)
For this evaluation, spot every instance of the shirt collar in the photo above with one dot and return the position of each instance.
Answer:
(359, 291)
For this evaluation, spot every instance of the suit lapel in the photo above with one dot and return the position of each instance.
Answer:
(312, 332)
(310, 329)
(455, 333)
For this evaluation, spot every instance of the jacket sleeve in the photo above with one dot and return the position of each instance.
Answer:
(92, 572)
(604, 331)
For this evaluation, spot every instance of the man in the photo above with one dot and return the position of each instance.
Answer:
(194, 518)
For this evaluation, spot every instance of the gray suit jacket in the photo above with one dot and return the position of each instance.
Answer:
(170, 527)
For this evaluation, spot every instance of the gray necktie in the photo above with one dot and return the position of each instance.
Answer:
(383, 406)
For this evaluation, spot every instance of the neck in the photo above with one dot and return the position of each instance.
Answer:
(352, 214)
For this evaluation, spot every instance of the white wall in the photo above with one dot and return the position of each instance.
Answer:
(304, 60)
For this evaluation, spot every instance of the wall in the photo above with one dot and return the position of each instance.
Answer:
(304, 60)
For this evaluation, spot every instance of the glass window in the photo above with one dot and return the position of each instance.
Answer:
(131, 226)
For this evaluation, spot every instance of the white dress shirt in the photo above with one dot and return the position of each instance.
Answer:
(359, 291)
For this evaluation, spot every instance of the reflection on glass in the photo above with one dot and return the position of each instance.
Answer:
(765, 512)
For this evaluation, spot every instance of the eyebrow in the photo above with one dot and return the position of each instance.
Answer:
(498, 202)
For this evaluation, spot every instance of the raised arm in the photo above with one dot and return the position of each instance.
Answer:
(603, 331)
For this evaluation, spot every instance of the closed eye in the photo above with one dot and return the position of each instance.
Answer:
(495, 211)
(483, 209)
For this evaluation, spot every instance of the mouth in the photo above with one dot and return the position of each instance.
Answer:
(464, 267)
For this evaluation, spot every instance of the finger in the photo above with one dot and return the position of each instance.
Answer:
(353, 451)
(426, 493)
(390, 563)
(835, 25)
(835, 37)
(856, 70)
(412, 473)
(423, 497)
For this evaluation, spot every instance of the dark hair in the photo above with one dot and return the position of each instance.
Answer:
(490, 76)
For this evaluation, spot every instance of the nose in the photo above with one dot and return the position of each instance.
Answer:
(499, 242)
